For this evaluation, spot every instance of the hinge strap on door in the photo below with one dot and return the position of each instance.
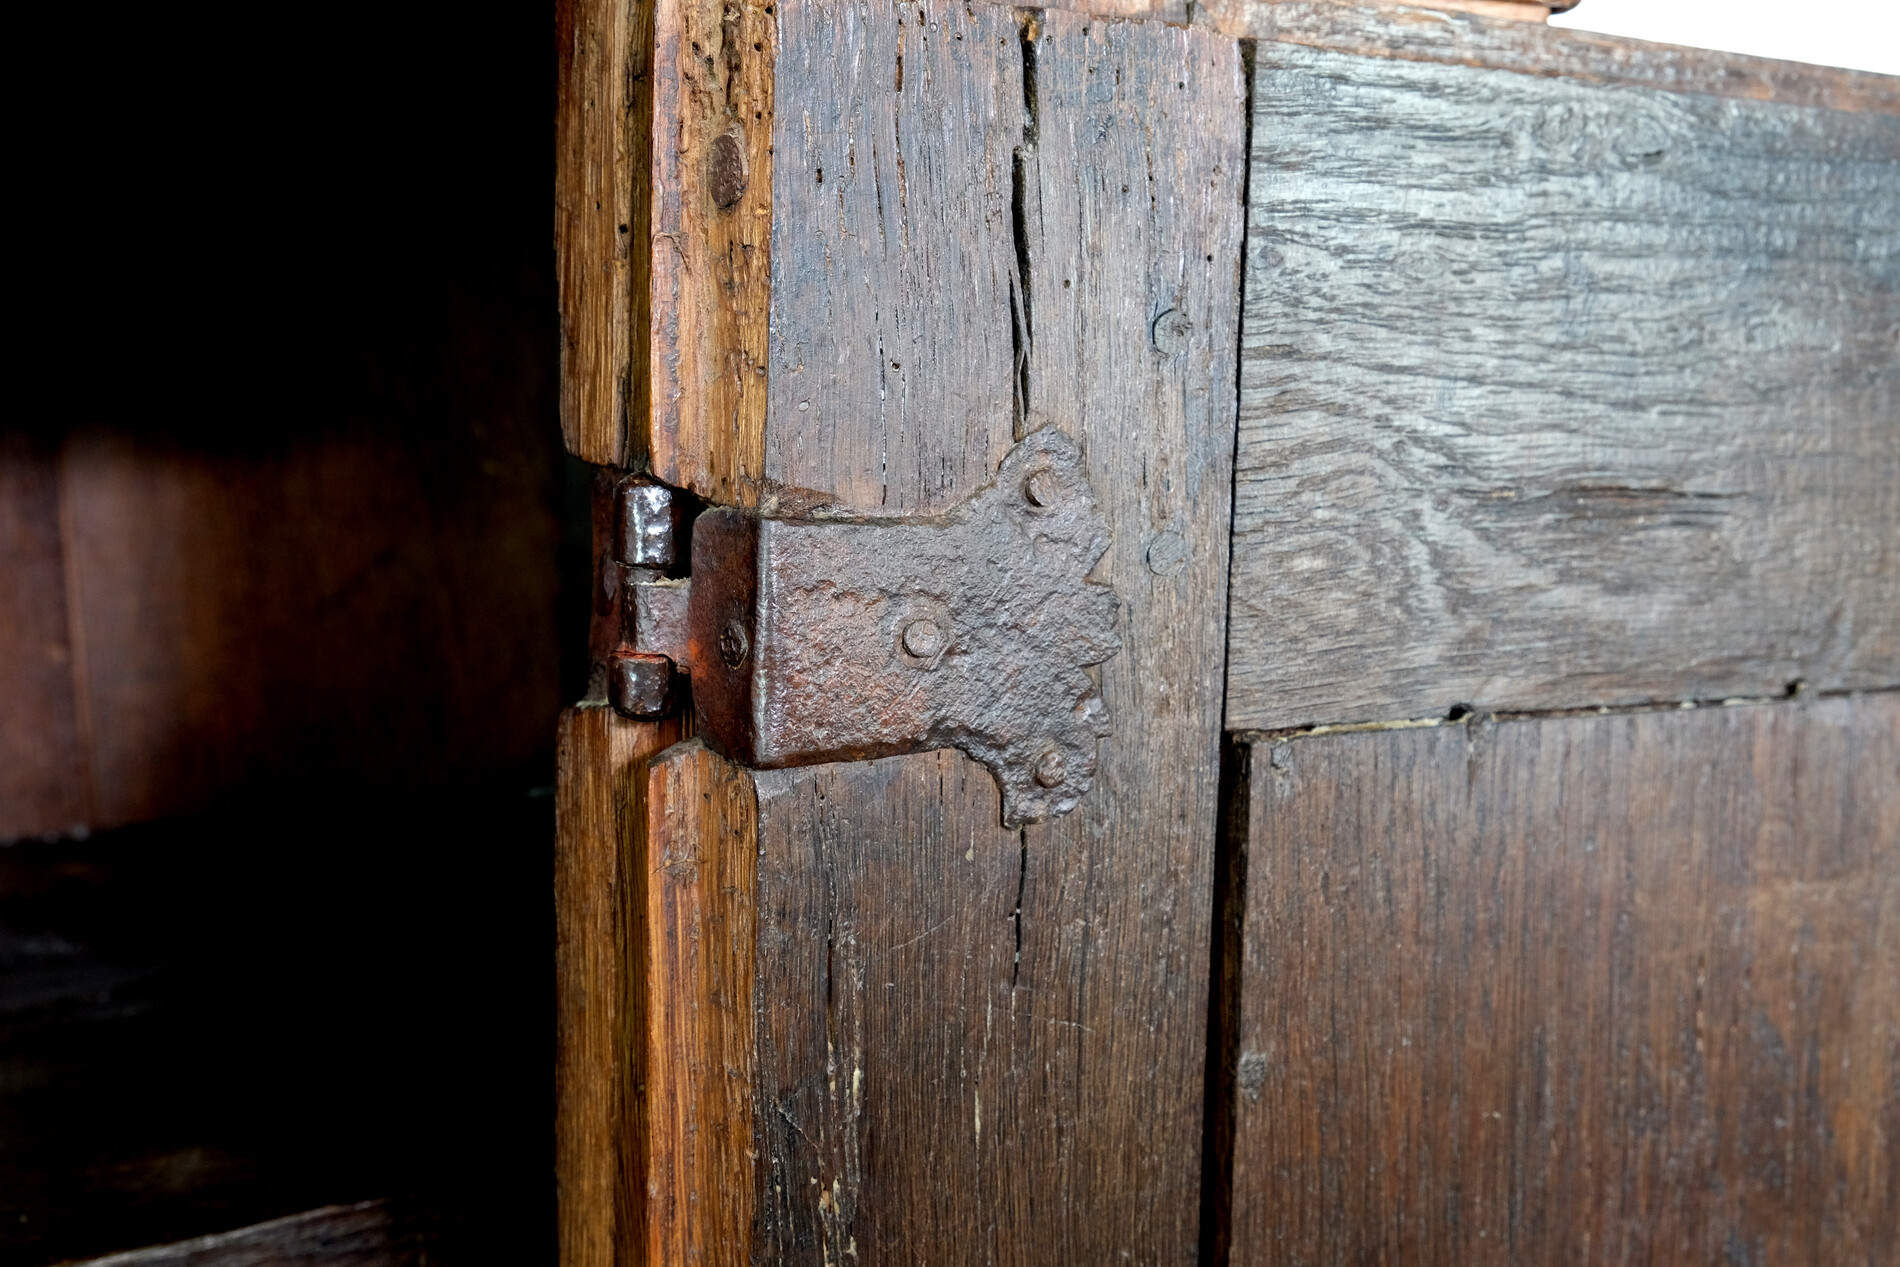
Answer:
(842, 639)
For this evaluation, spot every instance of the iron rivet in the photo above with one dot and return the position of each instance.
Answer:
(923, 639)
(1171, 332)
(733, 644)
(1167, 553)
(1042, 489)
(1051, 768)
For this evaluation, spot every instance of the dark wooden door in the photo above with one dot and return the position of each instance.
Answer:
(1496, 853)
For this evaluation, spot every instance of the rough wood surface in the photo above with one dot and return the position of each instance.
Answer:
(890, 1021)
(1133, 247)
(892, 350)
(1427, 33)
(979, 1046)
(602, 221)
(1609, 990)
(1554, 395)
(600, 892)
(712, 175)
(699, 847)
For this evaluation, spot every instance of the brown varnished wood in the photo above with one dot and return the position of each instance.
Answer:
(351, 605)
(1557, 395)
(663, 233)
(1606, 989)
(45, 774)
(1430, 33)
(602, 222)
(699, 846)
(600, 894)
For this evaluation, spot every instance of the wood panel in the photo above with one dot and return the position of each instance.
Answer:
(45, 777)
(1608, 989)
(663, 223)
(893, 1019)
(1133, 243)
(1556, 395)
(1474, 36)
(712, 133)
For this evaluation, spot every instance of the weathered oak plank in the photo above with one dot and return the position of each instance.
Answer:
(889, 1025)
(1556, 395)
(1430, 33)
(1610, 989)
(891, 355)
(1132, 239)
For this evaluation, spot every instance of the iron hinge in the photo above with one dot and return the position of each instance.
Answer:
(828, 638)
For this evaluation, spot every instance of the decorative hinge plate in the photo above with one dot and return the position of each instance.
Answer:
(836, 639)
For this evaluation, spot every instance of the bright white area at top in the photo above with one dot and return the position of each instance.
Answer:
(1863, 34)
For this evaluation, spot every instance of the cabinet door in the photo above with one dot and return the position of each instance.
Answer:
(1564, 376)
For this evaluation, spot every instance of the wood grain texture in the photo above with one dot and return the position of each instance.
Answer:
(891, 1027)
(699, 847)
(1133, 247)
(892, 352)
(1555, 395)
(983, 1047)
(1612, 989)
(712, 130)
(603, 208)
(45, 771)
(600, 893)
(1430, 33)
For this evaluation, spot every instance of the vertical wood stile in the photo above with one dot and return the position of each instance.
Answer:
(599, 885)
(698, 845)
(1132, 217)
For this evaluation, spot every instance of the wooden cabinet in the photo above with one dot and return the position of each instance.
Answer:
(1493, 858)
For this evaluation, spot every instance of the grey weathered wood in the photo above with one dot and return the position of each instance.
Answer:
(1423, 32)
(1582, 990)
(891, 254)
(1559, 394)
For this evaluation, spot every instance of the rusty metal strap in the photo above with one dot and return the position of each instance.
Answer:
(834, 640)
